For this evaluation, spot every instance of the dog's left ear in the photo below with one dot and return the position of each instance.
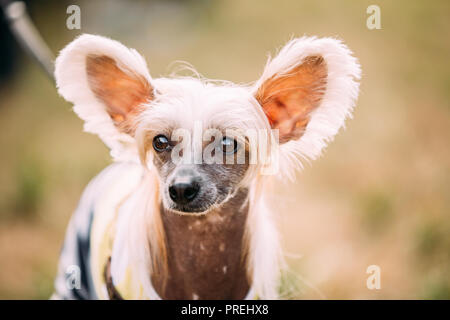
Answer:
(108, 83)
(307, 91)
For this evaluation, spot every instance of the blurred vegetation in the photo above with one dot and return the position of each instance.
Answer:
(380, 195)
(29, 189)
(377, 211)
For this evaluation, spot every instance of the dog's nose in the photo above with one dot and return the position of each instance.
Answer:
(183, 193)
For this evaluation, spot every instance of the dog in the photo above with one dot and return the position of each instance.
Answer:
(164, 221)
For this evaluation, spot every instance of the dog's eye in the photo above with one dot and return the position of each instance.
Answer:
(229, 146)
(161, 143)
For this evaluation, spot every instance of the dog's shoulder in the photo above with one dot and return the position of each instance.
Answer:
(94, 211)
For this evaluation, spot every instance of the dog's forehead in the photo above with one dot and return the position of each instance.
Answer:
(184, 103)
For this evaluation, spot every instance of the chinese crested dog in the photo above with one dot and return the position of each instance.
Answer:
(182, 212)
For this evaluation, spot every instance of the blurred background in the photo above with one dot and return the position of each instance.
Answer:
(379, 196)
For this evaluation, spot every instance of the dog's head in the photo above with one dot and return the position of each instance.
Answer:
(205, 138)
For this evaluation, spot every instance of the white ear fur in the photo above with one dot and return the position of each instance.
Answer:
(336, 105)
(72, 83)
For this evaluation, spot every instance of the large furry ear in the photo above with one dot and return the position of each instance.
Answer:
(307, 91)
(108, 84)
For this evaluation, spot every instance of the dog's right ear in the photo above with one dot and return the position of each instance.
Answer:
(107, 82)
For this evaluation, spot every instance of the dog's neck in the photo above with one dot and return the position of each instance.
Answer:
(205, 254)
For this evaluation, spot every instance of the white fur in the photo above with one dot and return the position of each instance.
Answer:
(179, 103)
(72, 83)
(337, 104)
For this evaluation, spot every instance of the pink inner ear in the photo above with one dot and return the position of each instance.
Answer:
(288, 99)
(121, 91)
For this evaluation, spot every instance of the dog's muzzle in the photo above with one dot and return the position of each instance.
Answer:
(184, 192)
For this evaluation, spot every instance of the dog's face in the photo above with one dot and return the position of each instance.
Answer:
(203, 137)
(196, 188)
(193, 136)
